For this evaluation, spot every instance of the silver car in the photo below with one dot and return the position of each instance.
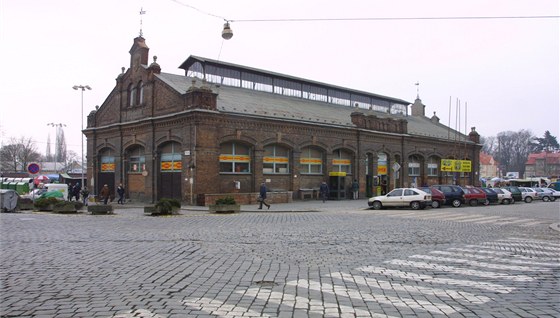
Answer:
(528, 194)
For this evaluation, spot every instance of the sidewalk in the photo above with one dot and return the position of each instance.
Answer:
(295, 206)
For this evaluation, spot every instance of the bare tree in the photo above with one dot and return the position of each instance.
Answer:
(512, 150)
(18, 154)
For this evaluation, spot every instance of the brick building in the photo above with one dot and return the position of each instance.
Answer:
(224, 128)
(543, 164)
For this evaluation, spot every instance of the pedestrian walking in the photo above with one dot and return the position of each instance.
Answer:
(70, 191)
(324, 191)
(120, 192)
(355, 189)
(105, 194)
(76, 191)
(85, 195)
(262, 196)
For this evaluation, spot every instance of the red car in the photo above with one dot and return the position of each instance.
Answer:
(438, 198)
(474, 196)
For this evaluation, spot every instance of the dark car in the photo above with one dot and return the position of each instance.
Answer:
(515, 193)
(474, 196)
(491, 196)
(438, 198)
(454, 195)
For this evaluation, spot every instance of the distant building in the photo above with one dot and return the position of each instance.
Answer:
(488, 166)
(222, 129)
(544, 164)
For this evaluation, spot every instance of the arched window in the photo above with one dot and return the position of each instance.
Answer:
(140, 90)
(413, 166)
(432, 167)
(235, 158)
(311, 161)
(171, 160)
(136, 160)
(342, 161)
(131, 95)
(382, 164)
(107, 161)
(276, 159)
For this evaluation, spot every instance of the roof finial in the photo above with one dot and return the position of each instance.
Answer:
(417, 90)
(142, 12)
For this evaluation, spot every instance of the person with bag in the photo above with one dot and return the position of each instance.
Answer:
(85, 195)
(262, 196)
(104, 193)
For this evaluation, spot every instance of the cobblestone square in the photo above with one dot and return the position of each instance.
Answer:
(305, 259)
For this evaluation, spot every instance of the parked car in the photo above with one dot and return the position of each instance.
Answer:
(545, 194)
(515, 193)
(454, 195)
(555, 185)
(402, 197)
(438, 198)
(528, 194)
(504, 196)
(474, 196)
(491, 196)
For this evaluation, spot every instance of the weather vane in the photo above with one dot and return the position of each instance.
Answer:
(417, 89)
(142, 12)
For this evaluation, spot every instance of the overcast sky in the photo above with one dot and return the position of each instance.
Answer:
(506, 71)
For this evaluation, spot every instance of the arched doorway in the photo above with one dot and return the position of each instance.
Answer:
(170, 167)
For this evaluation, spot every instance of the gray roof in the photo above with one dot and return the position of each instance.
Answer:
(263, 104)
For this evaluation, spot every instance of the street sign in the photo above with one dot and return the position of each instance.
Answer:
(33, 168)
(396, 166)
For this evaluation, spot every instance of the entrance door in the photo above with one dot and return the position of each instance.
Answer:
(170, 171)
(170, 185)
(336, 187)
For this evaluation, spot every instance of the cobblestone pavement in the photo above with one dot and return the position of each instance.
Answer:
(305, 259)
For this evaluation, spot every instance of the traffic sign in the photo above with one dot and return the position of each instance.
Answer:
(33, 168)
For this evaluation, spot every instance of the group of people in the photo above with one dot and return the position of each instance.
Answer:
(105, 194)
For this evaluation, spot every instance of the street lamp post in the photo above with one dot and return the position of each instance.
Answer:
(82, 88)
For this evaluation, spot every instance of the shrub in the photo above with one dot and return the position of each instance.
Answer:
(45, 202)
(165, 205)
(226, 201)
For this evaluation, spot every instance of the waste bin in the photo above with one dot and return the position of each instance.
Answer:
(8, 200)
(22, 187)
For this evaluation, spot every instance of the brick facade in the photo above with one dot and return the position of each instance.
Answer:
(194, 123)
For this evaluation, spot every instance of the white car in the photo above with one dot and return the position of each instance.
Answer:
(402, 197)
(504, 196)
(546, 194)
(528, 194)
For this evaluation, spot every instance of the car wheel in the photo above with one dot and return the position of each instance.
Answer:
(377, 205)
(553, 199)
(415, 205)
(456, 203)
(528, 199)
(545, 199)
(473, 202)
(435, 204)
(506, 201)
(487, 202)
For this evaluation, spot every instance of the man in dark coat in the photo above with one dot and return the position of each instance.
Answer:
(262, 196)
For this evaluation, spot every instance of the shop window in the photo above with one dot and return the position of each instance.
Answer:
(342, 161)
(276, 160)
(136, 160)
(311, 161)
(171, 159)
(235, 158)
(432, 167)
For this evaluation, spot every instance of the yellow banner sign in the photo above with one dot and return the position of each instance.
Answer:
(452, 165)
(313, 161)
(171, 165)
(337, 174)
(381, 170)
(275, 160)
(236, 158)
(107, 167)
(341, 162)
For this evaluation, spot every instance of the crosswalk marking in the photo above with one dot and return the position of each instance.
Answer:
(461, 271)
(478, 264)
(424, 278)
(445, 292)
(461, 217)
